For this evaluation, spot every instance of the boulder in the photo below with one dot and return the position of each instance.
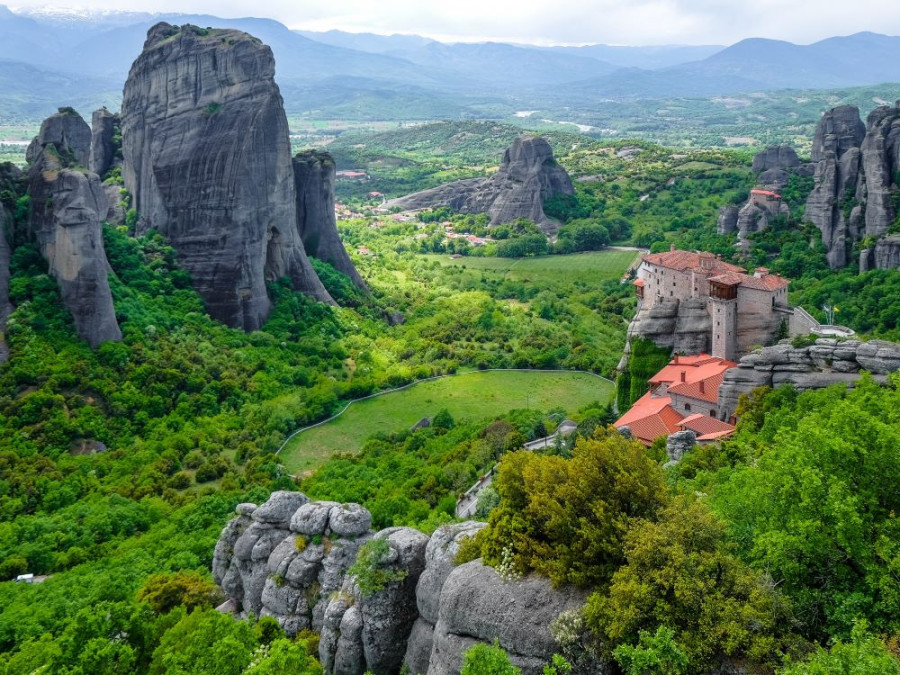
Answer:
(679, 444)
(207, 161)
(528, 176)
(887, 253)
(314, 183)
(476, 605)
(350, 520)
(312, 518)
(68, 205)
(280, 508)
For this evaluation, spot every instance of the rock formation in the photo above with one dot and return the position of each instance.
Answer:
(289, 558)
(528, 176)
(679, 444)
(683, 326)
(728, 220)
(67, 209)
(314, 183)
(104, 128)
(855, 180)
(207, 161)
(822, 364)
(6, 307)
(775, 157)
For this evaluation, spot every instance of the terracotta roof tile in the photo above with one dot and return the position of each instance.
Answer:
(704, 425)
(689, 260)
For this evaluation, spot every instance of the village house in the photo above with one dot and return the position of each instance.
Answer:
(683, 396)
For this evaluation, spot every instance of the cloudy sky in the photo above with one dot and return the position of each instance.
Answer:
(634, 22)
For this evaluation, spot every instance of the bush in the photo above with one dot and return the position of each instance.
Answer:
(485, 659)
(370, 567)
(165, 592)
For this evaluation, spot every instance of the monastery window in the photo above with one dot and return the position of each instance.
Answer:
(712, 412)
(687, 406)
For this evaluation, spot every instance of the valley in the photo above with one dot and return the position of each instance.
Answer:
(293, 295)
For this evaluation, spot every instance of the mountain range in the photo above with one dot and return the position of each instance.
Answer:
(46, 56)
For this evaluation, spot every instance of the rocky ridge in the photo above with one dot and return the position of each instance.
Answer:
(822, 364)
(68, 206)
(207, 160)
(856, 181)
(289, 558)
(528, 176)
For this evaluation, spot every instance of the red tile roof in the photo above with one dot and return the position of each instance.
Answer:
(765, 193)
(686, 261)
(649, 418)
(694, 368)
(703, 425)
(766, 282)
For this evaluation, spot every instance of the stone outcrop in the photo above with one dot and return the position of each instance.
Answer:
(679, 444)
(683, 326)
(728, 220)
(439, 555)
(855, 180)
(207, 161)
(289, 558)
(105, 126)
(822, 364)
(314, 184)
(528, 176)
(775, 157)
(66, 132)
(67, 208)
(477, 606)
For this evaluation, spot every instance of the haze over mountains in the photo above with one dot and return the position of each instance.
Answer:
(48, 58)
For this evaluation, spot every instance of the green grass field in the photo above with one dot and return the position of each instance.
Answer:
(599, 266)
(476, 395)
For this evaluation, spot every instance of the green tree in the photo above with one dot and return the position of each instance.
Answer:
(680, 574)
(567, 518)
(165, 592)
(205, 643)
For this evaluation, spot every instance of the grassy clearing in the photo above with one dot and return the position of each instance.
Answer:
(595, 266)
(475, 395)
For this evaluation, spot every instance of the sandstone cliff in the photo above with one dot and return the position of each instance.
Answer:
(528, 176)
(856, 179)
(819, 365)
(207, 161)
(289, 558)
(314, 183)
(67, 208)
(683, 326)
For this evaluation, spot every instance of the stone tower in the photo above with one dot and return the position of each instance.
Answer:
(723, 301)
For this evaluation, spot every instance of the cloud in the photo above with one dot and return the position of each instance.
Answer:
(636, 22)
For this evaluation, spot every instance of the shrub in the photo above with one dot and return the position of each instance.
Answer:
(165, 592)
(485, 659)
(370, 567)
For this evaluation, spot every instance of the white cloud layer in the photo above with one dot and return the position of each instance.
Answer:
(633, 22)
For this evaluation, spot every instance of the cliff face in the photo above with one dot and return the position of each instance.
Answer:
(314, 183)
(67, 208)
(207, 161)
(683, 326)
(825, 363)
(289, 558)
(528, 176)
(855, 178)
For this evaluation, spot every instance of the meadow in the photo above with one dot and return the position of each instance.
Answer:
(467, 396)
(596, 266)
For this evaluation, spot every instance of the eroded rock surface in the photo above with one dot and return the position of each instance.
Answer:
(855, 180)
(477, 606)
(207, 161)
(775, 157)
(289, 558)
(68, 205)
(314, 183)
(104, 128)
(684, 326)
(822, 364)
(528, 176)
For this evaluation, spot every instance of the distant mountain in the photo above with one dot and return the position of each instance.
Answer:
(367, 42)
(29, 92)
(649, 58)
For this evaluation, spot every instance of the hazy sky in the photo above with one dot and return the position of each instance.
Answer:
(638, 22)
